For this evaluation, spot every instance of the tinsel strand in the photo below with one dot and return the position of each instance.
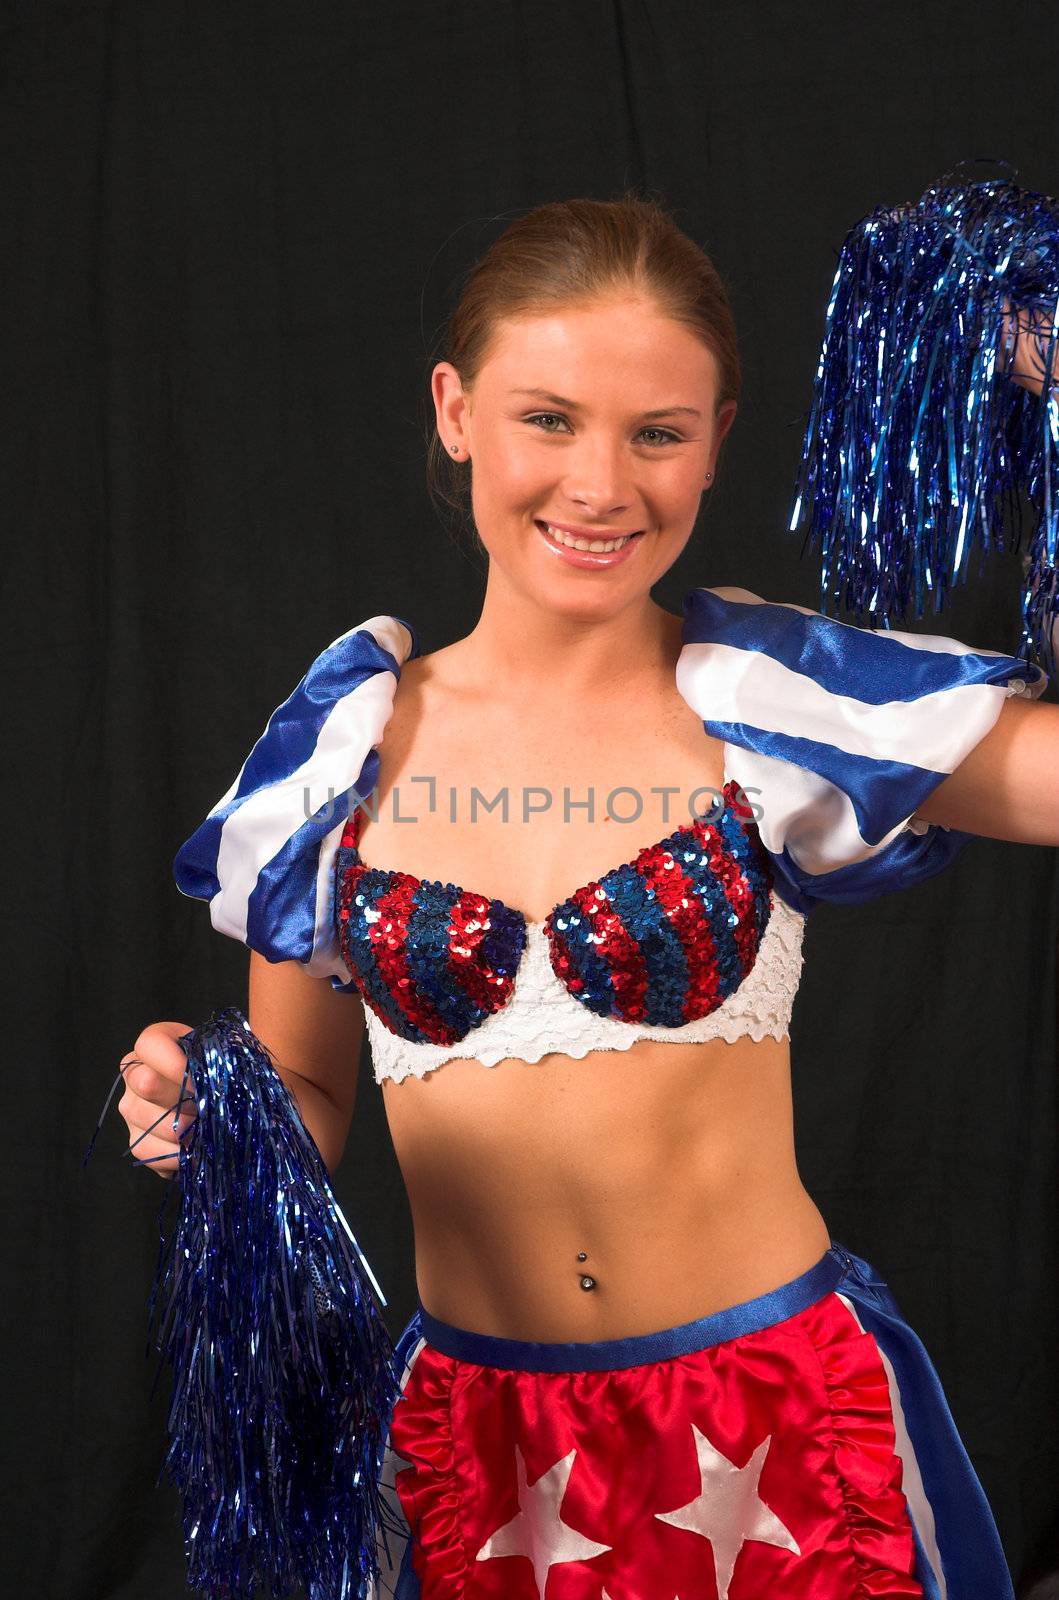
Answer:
(284, 1373)
(918, 445)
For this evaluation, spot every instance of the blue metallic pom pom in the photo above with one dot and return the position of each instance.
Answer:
(917, 439)
(284, 1374)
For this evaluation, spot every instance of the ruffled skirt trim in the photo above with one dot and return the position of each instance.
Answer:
(869, 1470)
(422, 1437)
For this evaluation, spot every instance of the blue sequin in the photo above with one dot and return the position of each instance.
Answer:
(656, 940)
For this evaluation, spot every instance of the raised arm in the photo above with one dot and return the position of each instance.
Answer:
(1007, 787)
(1021, 349)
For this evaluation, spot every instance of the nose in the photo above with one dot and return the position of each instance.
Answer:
(600, 478)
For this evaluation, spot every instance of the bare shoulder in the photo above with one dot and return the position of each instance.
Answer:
(449, 671)
(436, 697)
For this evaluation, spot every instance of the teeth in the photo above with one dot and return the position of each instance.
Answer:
(586, 544)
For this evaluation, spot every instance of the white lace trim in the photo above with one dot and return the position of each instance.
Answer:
(543, 1017)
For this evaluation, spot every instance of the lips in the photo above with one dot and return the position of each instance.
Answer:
(591, 559)
(590, 533)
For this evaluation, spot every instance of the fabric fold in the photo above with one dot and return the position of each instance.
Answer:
(869, 1470)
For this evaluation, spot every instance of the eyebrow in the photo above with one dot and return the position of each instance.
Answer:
(572, 405)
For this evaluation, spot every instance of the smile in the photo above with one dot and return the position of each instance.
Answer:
(587, 552)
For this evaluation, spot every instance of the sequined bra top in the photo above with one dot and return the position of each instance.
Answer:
(685, 942)
(837, 732)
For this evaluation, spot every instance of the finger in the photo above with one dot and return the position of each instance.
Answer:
(161, 1131)
(172, 1069)
(161, 1036)
(144, 1108)
(150, 1152)
(157, 1047)
(155, 1087)
(145, 1115)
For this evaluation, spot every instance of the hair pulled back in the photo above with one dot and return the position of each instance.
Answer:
(575, 252)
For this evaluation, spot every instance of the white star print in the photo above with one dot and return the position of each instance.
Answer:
(728, 1510)
(538, 1531)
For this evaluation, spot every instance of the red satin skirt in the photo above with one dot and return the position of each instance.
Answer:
(763, 1451)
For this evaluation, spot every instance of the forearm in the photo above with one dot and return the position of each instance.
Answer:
(302, 1019)
(327, 1123)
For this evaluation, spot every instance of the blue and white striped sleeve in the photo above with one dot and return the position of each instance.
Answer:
(838, 733)
(264, 857)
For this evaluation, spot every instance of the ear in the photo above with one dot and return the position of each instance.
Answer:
(723, 421)
(450, 402)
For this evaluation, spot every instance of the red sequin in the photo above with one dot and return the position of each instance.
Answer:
(662, 939)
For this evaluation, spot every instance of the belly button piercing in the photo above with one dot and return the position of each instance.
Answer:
(587, 1282)
(581, 1256)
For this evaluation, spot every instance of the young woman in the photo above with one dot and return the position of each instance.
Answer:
(641, 1367)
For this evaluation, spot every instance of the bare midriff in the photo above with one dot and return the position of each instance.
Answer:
(669, 1167)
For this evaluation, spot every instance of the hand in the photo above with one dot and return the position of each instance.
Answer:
(153, 1071)
(1027, 361)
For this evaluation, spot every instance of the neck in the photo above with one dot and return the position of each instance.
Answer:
(547, 655)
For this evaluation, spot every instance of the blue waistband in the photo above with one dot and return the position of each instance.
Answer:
(603, 1355)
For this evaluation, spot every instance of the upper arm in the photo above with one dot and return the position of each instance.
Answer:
(1007, 787)
(310, 1027)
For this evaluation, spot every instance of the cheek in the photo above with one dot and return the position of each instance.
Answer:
(686, 479)
(512, 476)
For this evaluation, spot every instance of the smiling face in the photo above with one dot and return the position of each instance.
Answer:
(616, 439)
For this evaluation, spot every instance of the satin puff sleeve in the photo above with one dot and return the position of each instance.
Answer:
(265, 855)
(838, 733)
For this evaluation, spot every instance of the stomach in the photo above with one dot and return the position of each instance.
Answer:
(670, 1168)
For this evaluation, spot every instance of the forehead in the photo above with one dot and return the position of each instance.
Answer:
(619, 342)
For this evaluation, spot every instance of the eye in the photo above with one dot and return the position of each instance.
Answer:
(545, 416)
(667, 436)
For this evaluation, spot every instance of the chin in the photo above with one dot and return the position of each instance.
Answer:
(591, 602)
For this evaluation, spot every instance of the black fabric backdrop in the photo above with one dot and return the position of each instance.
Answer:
(230, 235)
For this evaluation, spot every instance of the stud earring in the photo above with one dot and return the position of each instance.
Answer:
(455, 449)
(709, 475)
